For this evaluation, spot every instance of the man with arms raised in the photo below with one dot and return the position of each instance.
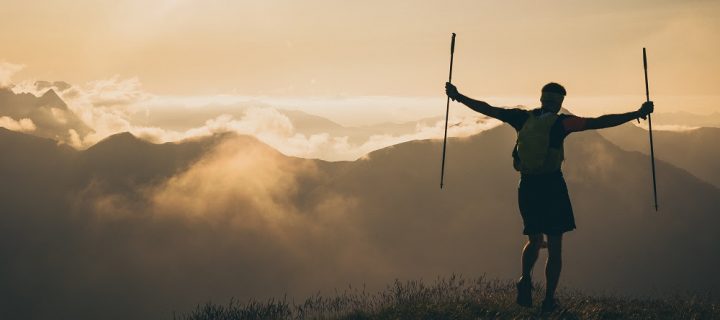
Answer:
(542, 194)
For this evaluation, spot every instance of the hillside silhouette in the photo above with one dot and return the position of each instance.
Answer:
(693, 150)
(232, 217)
(689, 119)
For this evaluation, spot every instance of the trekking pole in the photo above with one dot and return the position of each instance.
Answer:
(447, 111)
(652, 152)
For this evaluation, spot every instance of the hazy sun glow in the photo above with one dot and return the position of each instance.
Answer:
(356, 64)
(322, 47)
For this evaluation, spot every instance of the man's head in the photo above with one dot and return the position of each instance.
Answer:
(552, 97)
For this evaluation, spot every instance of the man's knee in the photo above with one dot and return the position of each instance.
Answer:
(535, 240)
(555, 246)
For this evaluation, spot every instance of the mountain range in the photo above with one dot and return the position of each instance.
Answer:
(688, 119)
(692, 150)
(48, 112)
(135, 229)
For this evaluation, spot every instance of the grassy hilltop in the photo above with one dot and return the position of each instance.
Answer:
(458, 298)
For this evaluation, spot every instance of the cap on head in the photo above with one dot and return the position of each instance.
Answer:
(555, 88)
(552, 97)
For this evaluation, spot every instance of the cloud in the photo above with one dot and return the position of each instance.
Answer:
(59, 86)
(117, 105)
(22, 125)
(668, 127)
(114, 93)
(7, 71)
(238, 170)
(268, 124)
(104, 106)
(271, 126)
(87, 113)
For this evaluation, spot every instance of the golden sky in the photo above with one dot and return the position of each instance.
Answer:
(319, 47)
(345, 51)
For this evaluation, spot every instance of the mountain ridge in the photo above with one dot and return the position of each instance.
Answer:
(48, 112)
(693, 150)
(275, 224)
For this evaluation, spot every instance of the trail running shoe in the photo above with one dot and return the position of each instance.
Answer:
(524, 293)
(549, 306)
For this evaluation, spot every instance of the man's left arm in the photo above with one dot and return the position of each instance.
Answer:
(611, 120)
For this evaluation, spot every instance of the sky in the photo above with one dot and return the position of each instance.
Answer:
(369, 62)
(138, 230)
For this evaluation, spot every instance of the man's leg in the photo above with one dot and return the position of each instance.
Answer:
(529, 255)
(553, 265)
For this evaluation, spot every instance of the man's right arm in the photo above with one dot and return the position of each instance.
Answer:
(479, 106)
(611, 120)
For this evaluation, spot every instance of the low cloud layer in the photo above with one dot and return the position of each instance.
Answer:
(119, 105)
(114, 105)
(104, 106)
(277, 130)
(668, 127)
(22, 125)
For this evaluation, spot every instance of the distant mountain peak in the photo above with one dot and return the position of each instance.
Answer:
(118, 140)
(50, 93)
(122, 136)
(51, 98)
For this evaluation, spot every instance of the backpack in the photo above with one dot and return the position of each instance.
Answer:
(532, 153)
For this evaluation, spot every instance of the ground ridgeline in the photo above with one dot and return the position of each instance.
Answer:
(457, 298)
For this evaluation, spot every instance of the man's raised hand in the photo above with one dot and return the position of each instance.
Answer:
(645, 109)
(451, 91)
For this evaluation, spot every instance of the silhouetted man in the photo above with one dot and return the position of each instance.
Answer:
(542, 194)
